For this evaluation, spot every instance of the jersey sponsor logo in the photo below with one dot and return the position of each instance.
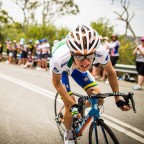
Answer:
(98, 55)
(64, 64)
(55, 70)
(67, 86)
(107, 58)
(86, 79)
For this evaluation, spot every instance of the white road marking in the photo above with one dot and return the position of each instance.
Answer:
(51, 95)
(123, 124)
(126, 132)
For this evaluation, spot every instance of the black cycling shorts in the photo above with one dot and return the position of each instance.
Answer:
(140, 68)
(114, 60)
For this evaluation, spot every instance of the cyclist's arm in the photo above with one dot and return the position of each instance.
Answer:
(61, 89)
(112, 77)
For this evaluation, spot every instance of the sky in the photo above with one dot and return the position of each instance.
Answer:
(91, 11)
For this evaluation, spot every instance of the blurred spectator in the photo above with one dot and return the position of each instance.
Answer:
(39, 54)
(30, 47)
(113, 46)
(23, 52)
(96, 69)
(7, 49)
(1, 50)
(139, 52)
(15, 51)
(29, 62)
(10, 52)
(106, 41)
(45, 53)
(103, 75)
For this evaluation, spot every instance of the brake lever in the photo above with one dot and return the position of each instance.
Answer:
(130, 95)
(128, 98)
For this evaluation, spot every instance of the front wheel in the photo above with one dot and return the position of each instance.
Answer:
(59, 111)
(100, 133)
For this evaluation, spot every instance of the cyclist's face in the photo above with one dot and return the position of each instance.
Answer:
(83, 62)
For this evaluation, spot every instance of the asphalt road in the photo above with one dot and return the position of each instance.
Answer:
(27, 111)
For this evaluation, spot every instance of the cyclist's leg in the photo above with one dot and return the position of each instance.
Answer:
(67, 114)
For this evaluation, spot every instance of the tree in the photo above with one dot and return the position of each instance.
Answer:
(27, 7)
(125, 16)
(103, 27)
(52, 9)
(31, 9)
(4, 20)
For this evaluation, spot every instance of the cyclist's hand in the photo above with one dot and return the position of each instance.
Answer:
(123, 106)
(74, 111)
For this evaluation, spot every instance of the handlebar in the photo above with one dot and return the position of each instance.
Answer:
(127, 97)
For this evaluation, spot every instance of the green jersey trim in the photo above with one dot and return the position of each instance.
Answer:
(70, 62)
(59, 44)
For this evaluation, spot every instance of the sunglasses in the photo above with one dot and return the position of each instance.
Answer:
(82, 57)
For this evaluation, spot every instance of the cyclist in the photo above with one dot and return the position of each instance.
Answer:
(74, 55)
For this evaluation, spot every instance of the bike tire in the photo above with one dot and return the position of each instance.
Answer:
(58, 116)
(99, 137)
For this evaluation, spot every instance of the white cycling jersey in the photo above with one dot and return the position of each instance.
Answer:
(62, 61)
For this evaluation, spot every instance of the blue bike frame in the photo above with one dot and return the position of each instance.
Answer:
(93, 113)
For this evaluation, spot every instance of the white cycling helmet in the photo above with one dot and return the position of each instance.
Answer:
(83, 39)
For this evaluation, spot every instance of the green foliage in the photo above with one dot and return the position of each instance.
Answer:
(50, 32)
(62, 32)
(103, 27)
(126, 49)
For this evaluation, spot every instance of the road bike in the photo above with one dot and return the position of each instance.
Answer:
(99, 132)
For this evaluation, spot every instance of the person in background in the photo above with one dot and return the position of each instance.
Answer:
(45, 52)
(23, 52)
(105, 40)
(113, 46)
(96, 69)
(7, 49)
(39, 54)
(20, 53)
(10, 48)
(29, 62)
(139, 52)
(1, 50)
(15, 49)
(30, 47)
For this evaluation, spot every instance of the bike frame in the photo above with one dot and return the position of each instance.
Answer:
(93, 113)
(80, 124)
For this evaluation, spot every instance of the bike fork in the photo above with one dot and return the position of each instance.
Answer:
(96, 132)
